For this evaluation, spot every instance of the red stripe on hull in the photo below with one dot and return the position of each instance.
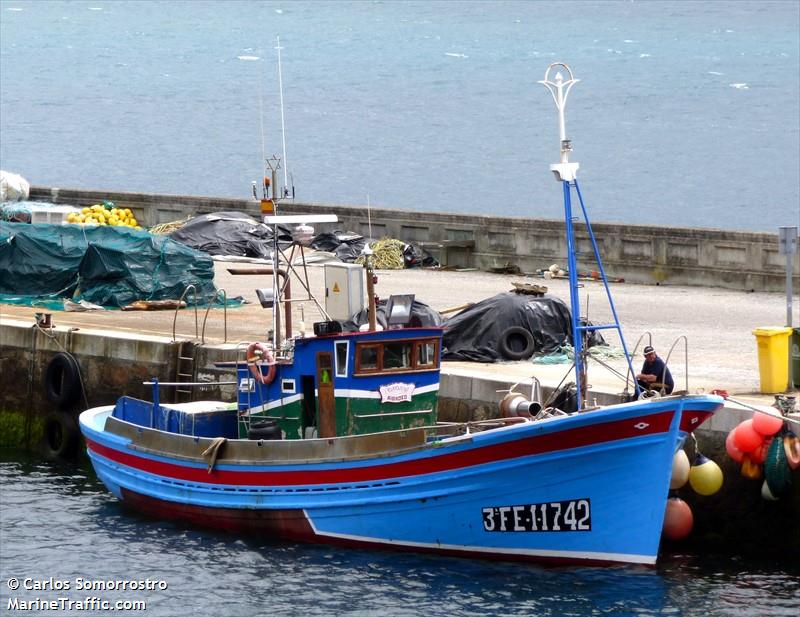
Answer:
(292, 525)
(287, 524)
(691, 419)
(534, 445)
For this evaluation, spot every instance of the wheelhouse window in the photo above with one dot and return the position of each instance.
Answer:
(396, 355)
(399, 356)
(341, 358)
(368, 356)
(426, 354)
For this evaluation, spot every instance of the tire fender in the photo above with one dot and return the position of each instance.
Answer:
(62, 380)
(60, 435)
(515, 332)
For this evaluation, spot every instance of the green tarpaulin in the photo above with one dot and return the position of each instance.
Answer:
(109, 266)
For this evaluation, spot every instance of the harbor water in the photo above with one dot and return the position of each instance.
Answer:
(66, 539)
(687, 113)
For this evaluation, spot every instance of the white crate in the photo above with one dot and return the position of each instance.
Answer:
(54, 215)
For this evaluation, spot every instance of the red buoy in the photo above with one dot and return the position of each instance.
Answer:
(760, 454)
(768, 423)
(678, 519)
(747, 438)
(735, 453)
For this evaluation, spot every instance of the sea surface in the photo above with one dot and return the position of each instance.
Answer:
(58, 526)
(687, 113)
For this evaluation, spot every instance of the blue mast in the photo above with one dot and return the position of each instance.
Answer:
(566, 172)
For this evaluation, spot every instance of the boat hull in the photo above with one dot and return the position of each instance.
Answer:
(589, 488)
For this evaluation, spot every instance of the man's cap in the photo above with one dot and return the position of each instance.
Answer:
(648, 350)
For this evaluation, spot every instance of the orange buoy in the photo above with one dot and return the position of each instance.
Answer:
(750, 469)
(747, 438)
(735, 453)
(678, 519)
(767, 423)
(705, 476)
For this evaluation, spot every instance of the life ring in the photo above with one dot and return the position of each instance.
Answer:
(62, 380)
(60, 435)
(508, 343)
(256, 352)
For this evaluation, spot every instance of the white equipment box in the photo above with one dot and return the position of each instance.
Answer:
(344, 290)
(54, 215)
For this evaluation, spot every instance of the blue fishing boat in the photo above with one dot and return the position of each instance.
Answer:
(334, 439)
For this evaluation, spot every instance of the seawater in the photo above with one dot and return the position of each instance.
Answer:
(688, 113)
(58, 525)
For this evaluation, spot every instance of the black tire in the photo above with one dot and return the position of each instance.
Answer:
(62, 380)
(265, 430)
(60, 435)
(516, 343)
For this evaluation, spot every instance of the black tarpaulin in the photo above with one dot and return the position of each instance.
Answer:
(421, 316)
(346, 245)
(475, 334)
(230, 233)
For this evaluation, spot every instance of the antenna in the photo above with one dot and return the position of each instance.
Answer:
(559, 89)
(369, 218)
(283, 123)
(565, 172)
(274, 164)
(261, 120)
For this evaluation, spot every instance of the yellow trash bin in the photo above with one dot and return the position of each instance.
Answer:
(773, 358)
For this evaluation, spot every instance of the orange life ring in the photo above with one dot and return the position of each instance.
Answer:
(256, 352)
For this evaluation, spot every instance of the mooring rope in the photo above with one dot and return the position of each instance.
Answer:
(212, 451)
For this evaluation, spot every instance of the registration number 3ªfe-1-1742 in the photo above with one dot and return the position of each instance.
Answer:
(570, 515)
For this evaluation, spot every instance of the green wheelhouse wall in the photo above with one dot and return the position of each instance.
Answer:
(348, 409)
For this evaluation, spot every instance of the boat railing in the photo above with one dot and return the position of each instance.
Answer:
(666, 359)
(685, 362)
(193, 289)
(224, 316)
(452, 429)
(649, 336)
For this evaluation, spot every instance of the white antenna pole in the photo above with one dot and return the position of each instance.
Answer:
(369, 218)
(283, 124)
(261, 119)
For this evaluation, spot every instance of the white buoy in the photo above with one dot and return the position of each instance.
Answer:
(680, 470)
(766, 493)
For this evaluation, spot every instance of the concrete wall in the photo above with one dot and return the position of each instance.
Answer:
(638, 253)
(111, 365)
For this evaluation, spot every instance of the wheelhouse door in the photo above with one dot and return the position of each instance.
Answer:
(325, 398)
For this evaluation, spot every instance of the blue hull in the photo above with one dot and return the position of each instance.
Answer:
(587, 488)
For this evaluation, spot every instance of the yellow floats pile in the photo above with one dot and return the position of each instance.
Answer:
(103, 214)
